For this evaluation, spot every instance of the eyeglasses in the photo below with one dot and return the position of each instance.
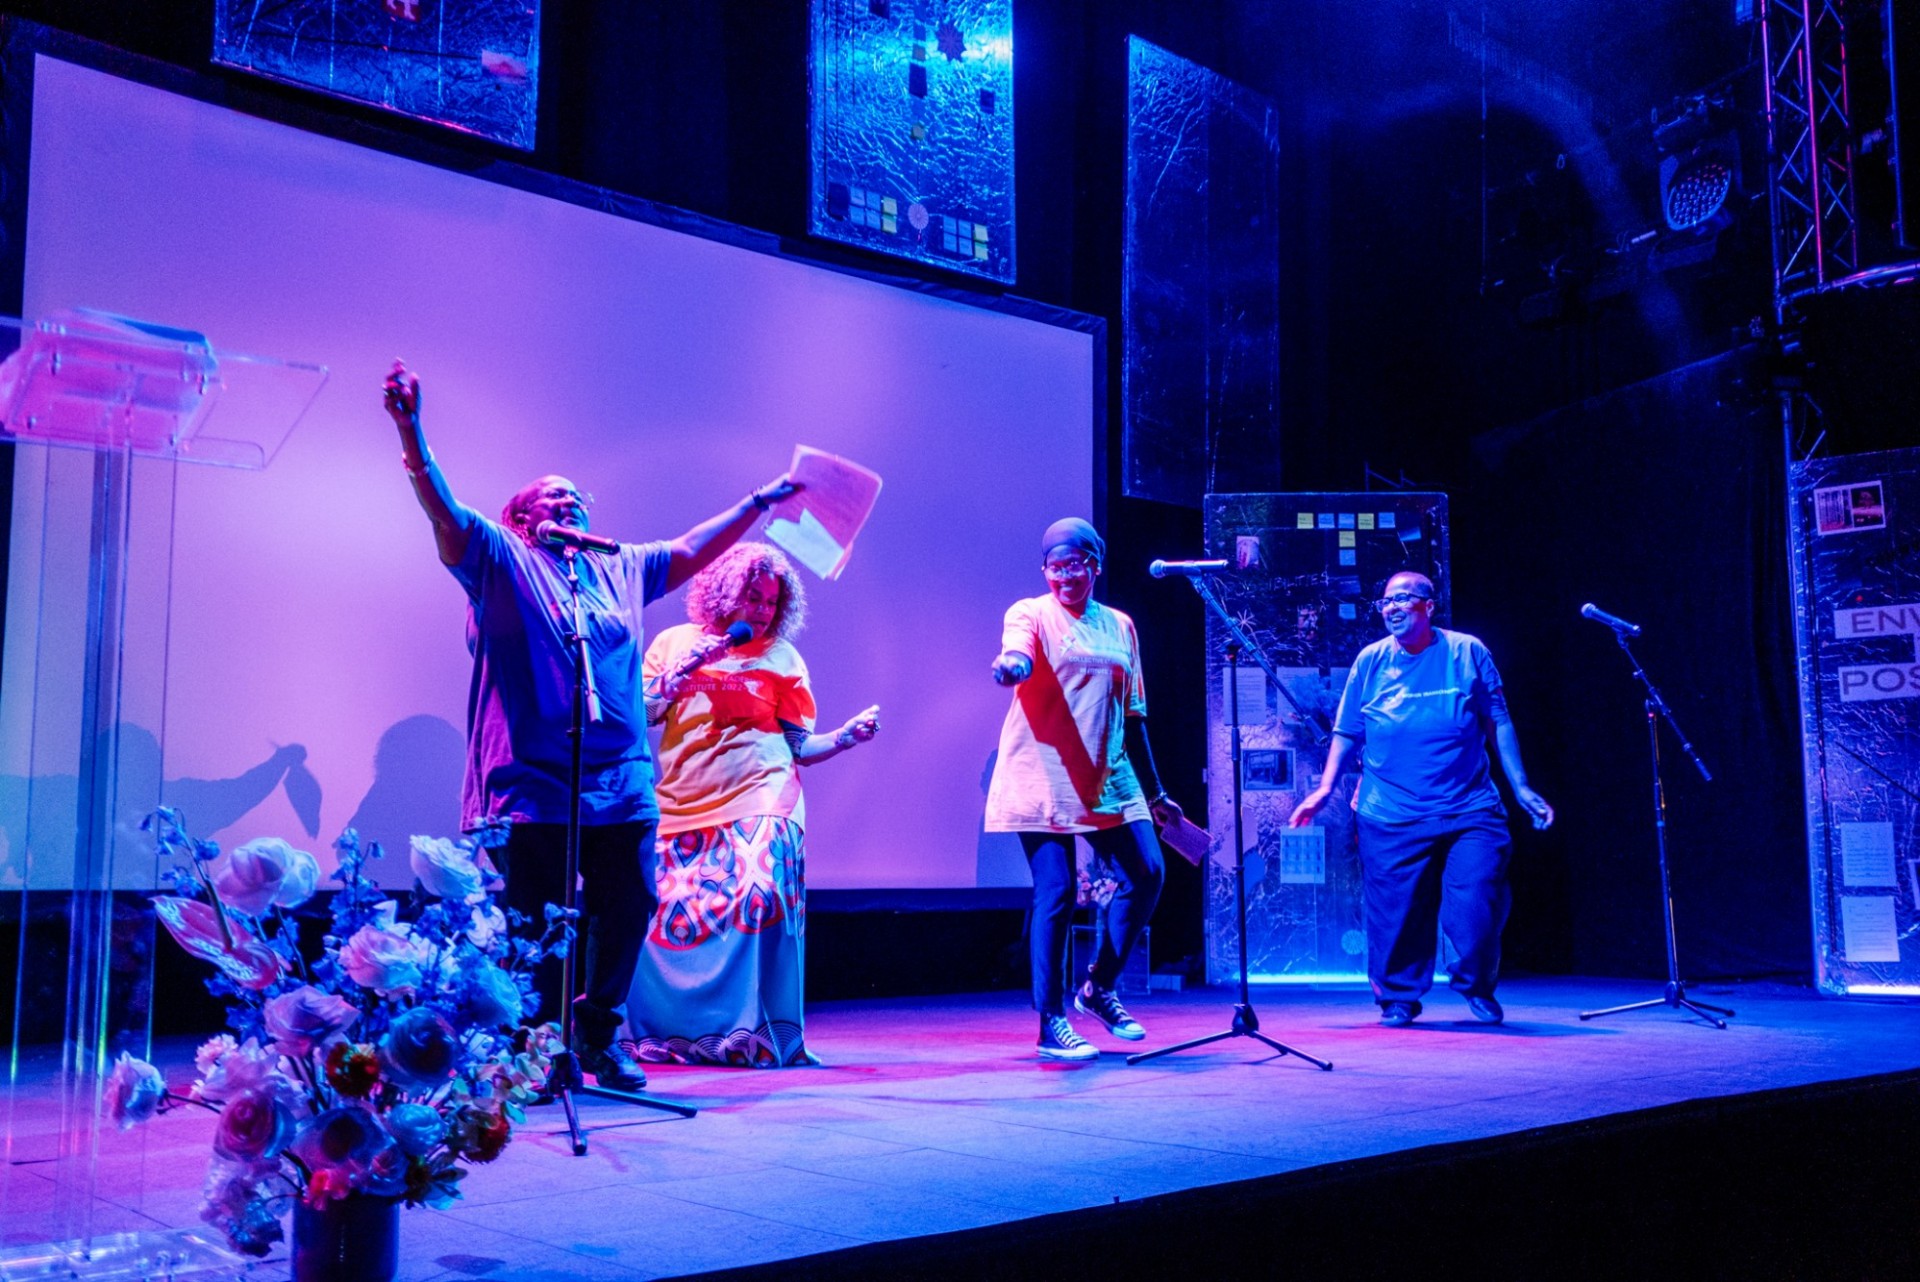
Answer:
(1400, 599)
(1067, 569)
(556, 493)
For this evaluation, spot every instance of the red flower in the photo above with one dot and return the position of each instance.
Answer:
(353, 1069)
(211, 936)
(482, 1133)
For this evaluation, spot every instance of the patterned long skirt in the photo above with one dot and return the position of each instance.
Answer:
(720, 980)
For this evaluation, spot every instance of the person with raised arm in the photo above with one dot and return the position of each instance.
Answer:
(516, 796)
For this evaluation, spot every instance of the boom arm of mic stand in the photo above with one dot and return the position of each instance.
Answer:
(1659, 705)
(1250, 647)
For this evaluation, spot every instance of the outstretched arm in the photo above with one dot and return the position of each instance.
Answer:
(453, 521)
(1506, 744)
(811, 749)
(693, 551)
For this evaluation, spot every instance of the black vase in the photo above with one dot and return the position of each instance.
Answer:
(353, 1239)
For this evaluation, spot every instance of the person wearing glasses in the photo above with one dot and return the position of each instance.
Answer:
(516, 796)
(1074, 760)
(1421, 707)
(722, 978)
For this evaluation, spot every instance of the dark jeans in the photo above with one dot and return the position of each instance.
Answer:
(616, 903)
(1450, 873)
(1134, 852)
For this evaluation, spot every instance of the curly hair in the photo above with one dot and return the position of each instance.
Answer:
(717, 591)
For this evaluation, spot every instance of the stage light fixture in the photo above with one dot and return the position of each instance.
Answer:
(1695, 189)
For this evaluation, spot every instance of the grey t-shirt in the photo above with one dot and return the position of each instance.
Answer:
(1420, 722)
(520, 702)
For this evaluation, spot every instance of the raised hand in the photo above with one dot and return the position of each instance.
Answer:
(401, 391)
(782, 486)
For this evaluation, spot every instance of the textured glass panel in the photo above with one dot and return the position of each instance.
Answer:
(471, 65)
(1200, 283)
(913, 130)
(1306, 568)
(1856, 527)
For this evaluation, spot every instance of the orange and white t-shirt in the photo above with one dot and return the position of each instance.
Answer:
(1063, 760)
(722, 753)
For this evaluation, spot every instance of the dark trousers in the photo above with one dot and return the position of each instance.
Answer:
(1450, 873)
(616, 903)
(1134, 852)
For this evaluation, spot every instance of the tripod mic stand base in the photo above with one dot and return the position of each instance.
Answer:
(564, 1081)
(1676, 997)
(635, 1097)
(1245, 1024)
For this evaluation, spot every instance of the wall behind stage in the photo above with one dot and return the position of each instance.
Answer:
(1664, 503)
(663, 371)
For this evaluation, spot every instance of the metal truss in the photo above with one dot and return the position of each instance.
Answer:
(1810, 192)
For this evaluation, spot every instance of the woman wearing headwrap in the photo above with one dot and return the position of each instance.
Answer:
(1074, 759)
(721, 979)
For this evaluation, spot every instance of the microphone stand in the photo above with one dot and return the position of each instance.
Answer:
(1246, 1023)
(1657, 711)
(566, 1080)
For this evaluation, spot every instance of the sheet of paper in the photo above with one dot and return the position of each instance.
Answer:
(1190, 841)
(1252, 683)
(1303, 856)
(818, 524)
(1866, 854)
(1868, 931)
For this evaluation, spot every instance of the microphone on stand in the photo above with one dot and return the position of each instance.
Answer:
(1618, 624)
(553, 534)
(1186, 569)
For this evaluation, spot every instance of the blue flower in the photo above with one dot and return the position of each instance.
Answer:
(416, 1129)
(419, 1048)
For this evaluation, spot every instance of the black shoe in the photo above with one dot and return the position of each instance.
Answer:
(1058, 1041)
(1104, 1006)
(1486, 1010)
(1398, 1014)
(613, 1067)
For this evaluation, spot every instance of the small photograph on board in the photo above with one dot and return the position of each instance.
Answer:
(1846, 509)
(1267, 769)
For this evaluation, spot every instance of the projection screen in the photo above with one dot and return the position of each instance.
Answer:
(314, 655)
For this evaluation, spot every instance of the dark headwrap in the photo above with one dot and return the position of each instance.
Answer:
(1072, 532)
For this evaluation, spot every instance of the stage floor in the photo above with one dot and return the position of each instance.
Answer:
(932, 1115)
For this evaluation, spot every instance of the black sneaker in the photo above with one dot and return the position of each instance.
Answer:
(613, 1067)
(1105, 1007)
(1059, 1041)
(1486, 1010)
(1398, 1014)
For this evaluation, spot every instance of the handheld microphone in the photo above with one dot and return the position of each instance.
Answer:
(739, 632)
(1618, 624)
(1185, 569)
(553, 534)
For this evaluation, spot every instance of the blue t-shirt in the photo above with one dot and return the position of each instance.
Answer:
(521, 699)
(1420, 722)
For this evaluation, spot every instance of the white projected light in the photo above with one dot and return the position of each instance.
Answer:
(316, 634)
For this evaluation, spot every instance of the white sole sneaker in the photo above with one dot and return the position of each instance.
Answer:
(1130, 1031)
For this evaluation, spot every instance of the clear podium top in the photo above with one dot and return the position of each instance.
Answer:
(94, 381)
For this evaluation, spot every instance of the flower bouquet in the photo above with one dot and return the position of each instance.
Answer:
(380, 1067)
